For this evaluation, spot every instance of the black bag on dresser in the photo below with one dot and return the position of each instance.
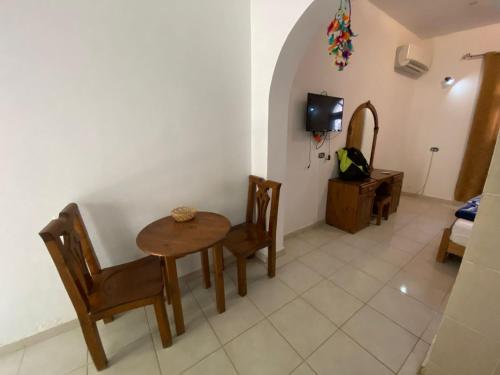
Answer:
(352, 164)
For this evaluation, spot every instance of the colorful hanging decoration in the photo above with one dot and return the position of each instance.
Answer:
(340, 35)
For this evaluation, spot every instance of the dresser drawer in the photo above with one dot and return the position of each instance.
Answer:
(368, 188)
(398, 178)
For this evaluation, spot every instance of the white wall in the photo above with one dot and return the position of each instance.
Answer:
(271, 22)
(442, 117)
(128, 108)
(369, 76)
(414, 114)
(468, 340)
(278, 44)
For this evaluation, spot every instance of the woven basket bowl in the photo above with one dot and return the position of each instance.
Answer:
(182, 214)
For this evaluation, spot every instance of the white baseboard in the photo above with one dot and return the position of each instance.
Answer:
(38, 337)
(72, 324)
(431, 199)
(262, 254)
(303, 229)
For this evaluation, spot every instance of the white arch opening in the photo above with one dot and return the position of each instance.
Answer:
(318, 14)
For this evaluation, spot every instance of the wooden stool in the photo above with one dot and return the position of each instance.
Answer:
(382, 203)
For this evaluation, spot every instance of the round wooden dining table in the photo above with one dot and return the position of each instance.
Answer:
(172, 240)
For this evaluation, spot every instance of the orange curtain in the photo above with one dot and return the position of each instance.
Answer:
(483, 132)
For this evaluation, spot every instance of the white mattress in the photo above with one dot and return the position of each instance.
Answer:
(461, 231)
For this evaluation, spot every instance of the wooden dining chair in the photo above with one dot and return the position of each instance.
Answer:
(98, 293)
(255, 233)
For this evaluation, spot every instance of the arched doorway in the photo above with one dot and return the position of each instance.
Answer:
(316, 16)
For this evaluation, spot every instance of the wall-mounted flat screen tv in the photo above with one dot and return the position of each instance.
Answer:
(324, 113)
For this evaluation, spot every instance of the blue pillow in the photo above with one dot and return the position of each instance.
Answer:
(469, 210)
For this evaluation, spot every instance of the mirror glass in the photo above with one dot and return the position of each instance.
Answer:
(363, 132)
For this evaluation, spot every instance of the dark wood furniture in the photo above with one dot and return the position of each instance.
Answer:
(447, 246)
(254, 234)
(172, 240)
(382, 207)
(98, 293)
(350, 203)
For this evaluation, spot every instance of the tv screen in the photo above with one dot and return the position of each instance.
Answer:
(324, 113)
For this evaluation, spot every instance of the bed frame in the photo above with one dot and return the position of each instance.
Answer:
(447, 246)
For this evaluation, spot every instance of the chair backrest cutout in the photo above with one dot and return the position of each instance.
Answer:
(261, 192)
(67, 241)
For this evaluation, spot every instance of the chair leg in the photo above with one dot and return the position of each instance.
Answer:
(219, 278)
(386, 211)
(165, 280)
(205, 265)
(108, 319)
(379, 215)
(162, 319)
(271, 260)
(94, 344)
(175, 294)
(242, 276)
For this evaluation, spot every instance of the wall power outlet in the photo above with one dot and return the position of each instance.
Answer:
(434, 149)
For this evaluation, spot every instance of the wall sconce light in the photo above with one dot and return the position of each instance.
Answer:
(448, 82)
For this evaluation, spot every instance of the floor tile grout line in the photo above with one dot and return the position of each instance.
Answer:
(408, 356)
(387, 284)
(371, 298)
(434, 309)
(304, 360)
(266, 317)
(153, 341)
(338, 327)
(215, 334)
(401, 269)
(18, 372)
(366, 304)
(366, 349)
(309, 288)
(276, 329)
(302, 363)
(201, 359)
(284, 338)
(272, 312)
(398, 324)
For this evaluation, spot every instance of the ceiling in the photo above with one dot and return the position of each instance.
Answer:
(429, 18)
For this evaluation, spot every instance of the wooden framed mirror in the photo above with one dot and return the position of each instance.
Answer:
(363, 130)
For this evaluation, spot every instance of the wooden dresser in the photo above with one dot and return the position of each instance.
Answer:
(350, 203)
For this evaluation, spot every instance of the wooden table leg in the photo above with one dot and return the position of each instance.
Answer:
(165, 279)
(219, 278)
(205, 266)
(175, 295)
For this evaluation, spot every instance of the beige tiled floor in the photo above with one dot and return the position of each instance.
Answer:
(368, 303)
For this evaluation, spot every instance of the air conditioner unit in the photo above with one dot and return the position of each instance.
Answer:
(413, 60)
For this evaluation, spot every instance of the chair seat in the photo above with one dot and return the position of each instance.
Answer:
(245, 239)
(382, 200)
(126, 283)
